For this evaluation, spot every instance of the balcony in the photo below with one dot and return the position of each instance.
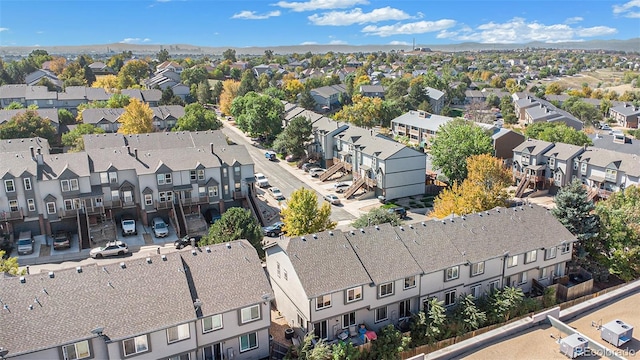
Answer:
(68, 213)
(195, 200)
(11, 215)
(93, 210)
(160, 205)
(534, 178)
(110, 204)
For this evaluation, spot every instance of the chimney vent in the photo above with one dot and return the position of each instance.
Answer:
(362, 231)
(164, 257)
(22, 279)
(78, 269)
(148, 260)
(194, 252)
(136, 152)
(33, 155)
(51, 274)
(208, 249)
(331, 233)
(228, 246)
(123, 265)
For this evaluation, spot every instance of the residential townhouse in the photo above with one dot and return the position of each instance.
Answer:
(39, 75)
(169, 65)
(100, 69)
(328, 97)
(625, 115)
(164, 117)
(149, 96)
(436, 99)
(548, 164)
(380, 275)
(374, 91)
(185, 305)
(549, 113)
(73, 96)
(139, 175)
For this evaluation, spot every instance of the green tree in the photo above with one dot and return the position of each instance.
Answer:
(428, 327)
(377, 216)
(248, 83)
(14, 105)
(204, 93)
(275, 93)
(258, 114)
(217, 91)
(230, 55)
(66, 117)
(389, 344)
(136, 119)
(557, 132)
(293, 138)
(132, 73)
(303, 216)
(168, 98)
(504, 302)
(345, 351)
(27, 124)
(9, 265)
(575, 212)
(74, 138)
(307, 101)
(197, 118)
(162, 55)
(456, 141)
(194, 75)
(619, 236)
(235, 223)
(508, 110)
(118, 101)
(468, 313)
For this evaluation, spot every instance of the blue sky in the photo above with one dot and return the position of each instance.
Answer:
(243, 23)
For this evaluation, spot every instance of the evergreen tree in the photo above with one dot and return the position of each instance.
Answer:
(307, 101)
(575, 212)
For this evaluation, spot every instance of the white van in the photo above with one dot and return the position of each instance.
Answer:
(25, 243)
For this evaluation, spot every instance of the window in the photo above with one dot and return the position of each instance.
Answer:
(165, 196)
(73, 185)
(113, 177)
(181, 357)
(148, 199)
(451, 273)
(544, 273)
(381, 314)
(79, 350)
(9, 186)
(104, 178)
(493, 286)
(68, 204)
(27, 183)
(523, 278)
(193, 175)
(201, 174)
(31, 205)
(550, 253)
(323, 302)
(212, 323)
(115, 195)
(321, 329)
(278, 269)
(450, 298)
(385, 289)
(286, 277)
(202, 191)
(135, 345)
(475, 291)
(477, 268)
(531, 256)
(163, 178)
(128, 196)
(552, 163)
(348, 320)
(248, 342)
(404, 309)
(557, 176)
(575, 165)
(213, 191)
(13, 205)
(409, 282)
(512, 261)
(51, 208)
(564, 248)
(250, 313)
(354, 294)
(583, 168)
(226, 189)
(64, 184)
(236, 171)
(177, 333)
(611, 175)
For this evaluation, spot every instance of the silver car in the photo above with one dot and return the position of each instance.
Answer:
(160, 228)
(109, 249)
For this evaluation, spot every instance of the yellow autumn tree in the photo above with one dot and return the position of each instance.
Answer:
(57, 64)
(483, 189)
(291, 86)
(229, 92)
(108, 82)
(136, 119)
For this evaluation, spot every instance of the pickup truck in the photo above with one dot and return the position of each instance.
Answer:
(128, 225)
(262, 180)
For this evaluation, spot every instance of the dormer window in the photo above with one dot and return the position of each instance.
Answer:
(9, 186)
(69, 185)
(552, 162)
(164, 178)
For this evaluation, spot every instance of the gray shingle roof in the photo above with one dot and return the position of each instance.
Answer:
(239, 279)
(13, 91)
(54, 165)
(325, 264)
(383, 254)
(629, 163)
(135, 300)
(13, 145)
(51, 114)
(563, 151)
(533, 146)
(427, 121)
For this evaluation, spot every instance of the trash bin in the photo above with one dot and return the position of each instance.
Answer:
(288, 333)
(193, 242)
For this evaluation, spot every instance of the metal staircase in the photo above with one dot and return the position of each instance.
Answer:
(522, 186)
(354, 187)
(332, 170)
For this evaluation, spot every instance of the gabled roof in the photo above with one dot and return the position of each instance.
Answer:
(629, 163)
(533, 146)
(56, 164)
(563, 151)
(51, 114)
(434, 93)
(328, 91)
(422, 120)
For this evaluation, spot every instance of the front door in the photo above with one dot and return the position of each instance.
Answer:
(212, 352)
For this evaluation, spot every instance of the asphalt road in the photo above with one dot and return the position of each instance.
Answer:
(280, 177)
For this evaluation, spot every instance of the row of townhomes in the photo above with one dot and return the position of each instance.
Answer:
(334, 281)
(541, 164)
(380, 165)
(164, 117)
(145, 175)
(533, 110)
(184, 305)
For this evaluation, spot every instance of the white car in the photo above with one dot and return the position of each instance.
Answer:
(276, 193)
(315, 172)
(332, 199)
(109, 249)
(340, 187)
(261, 180)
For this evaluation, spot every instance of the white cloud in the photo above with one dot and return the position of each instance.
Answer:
(312, 5)
(309, 43)
(628, 9)
(134, 40)
(337, 42)
(399, 43)
(573, 20)
(419, 27)
(356, 16)
(146, 40)
(39, 32)
(252, 15)
(3, 29)
(518, 30)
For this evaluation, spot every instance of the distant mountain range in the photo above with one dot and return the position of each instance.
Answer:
(631, 45)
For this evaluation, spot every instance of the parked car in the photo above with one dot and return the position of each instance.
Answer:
(128, 225)
(111, 248)
(186, 240)
(261, 180)
(606, 127)
(400, 211)
(25, 243)
(315, 172)
(273, 230)
(270, 155)
(212, 215)
(340, 187)
(308, 166)
(291, 157)
(160, 228)
(276, 193)
(61, 240)
(332, 199)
